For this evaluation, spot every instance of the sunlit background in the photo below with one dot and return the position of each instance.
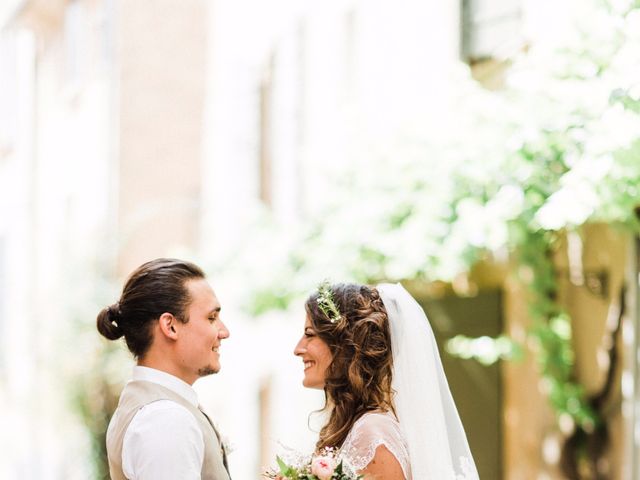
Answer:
(486, 153)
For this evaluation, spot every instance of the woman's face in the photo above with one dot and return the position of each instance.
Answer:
(316, 356)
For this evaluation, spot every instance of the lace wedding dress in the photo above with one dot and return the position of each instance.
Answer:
(367, 434)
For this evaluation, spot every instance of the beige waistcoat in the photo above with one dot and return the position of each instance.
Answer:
(137, 394)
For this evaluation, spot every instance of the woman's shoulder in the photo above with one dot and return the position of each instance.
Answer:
(375, 427)
(377, 419)
(369, 432)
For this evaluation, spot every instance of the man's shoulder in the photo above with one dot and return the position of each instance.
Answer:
(166, 408)
(163, 417)
(137, 393)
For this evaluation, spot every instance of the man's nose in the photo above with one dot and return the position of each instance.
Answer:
(223, 331)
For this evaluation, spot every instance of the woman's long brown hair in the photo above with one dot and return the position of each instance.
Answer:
(358, 380)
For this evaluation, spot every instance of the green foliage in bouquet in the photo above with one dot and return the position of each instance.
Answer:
(319, 467)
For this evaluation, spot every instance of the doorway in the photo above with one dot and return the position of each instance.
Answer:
(476, 388)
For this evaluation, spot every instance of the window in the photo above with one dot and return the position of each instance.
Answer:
(631, 374)
(265, 404)
(265, 149)
(281, 127)
(490, 29)
(3, 299)
(76, 43)
(8, 93)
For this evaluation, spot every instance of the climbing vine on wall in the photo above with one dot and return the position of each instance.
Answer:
(558, 148)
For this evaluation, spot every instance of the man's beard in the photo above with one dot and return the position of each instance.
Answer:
(203, 372)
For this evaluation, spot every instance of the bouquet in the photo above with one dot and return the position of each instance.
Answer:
(324, 465)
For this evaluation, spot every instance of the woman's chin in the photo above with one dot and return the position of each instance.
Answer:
(308, 383)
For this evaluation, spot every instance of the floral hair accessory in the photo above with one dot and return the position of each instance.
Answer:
(326, 304)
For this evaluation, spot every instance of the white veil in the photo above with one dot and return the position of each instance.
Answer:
(429, 420)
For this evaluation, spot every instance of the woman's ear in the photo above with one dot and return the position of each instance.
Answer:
(167, 323)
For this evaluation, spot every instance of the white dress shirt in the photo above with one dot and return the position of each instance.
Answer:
(163, 441)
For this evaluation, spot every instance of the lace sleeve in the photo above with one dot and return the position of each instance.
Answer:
(368, 433)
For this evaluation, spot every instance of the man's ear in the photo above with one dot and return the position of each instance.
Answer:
(167, 324)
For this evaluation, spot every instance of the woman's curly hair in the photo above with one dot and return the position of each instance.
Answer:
(358, 380)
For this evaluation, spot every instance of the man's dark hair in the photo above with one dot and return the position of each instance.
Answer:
(154, 288)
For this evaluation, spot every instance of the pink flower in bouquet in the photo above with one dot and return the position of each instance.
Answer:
(323, 466)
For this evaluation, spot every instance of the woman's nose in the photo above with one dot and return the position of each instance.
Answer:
(300, 349)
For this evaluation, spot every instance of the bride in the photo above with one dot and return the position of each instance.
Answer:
(390, 411)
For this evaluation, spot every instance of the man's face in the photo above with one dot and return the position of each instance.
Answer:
(200, 338)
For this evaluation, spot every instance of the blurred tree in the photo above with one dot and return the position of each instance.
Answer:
(557, 149)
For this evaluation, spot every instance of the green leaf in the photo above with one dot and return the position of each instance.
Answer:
(286, 470)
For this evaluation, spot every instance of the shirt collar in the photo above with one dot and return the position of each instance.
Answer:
(166, 380)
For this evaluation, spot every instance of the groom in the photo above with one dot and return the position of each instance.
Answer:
(170, 318)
